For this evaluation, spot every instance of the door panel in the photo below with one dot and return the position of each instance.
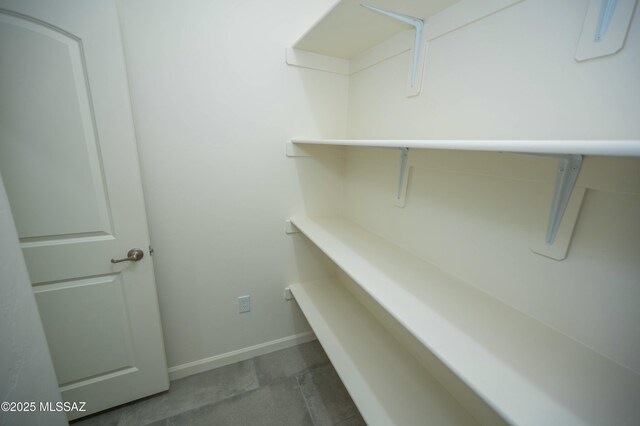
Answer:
(93, 307)
(69, 161)
(48, 64)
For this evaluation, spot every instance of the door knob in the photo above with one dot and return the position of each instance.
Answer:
(133, 255)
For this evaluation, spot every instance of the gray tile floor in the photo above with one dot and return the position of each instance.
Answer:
(295, 386)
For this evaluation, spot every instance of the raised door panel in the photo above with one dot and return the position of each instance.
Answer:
(89, 321)
(49, 158)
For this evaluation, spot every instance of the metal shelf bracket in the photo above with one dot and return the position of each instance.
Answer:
(568, 169)
(403, 178)
(418, 24)
(607, 9)
(605, 28)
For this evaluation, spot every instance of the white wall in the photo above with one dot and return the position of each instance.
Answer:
(512, 76)
(26, 370)
(508, 76)
(213, 103)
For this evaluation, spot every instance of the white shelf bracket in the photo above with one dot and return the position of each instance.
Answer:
(568, 169)
(403, 178)
(418, 24)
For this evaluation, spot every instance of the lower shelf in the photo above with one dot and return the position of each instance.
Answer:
(388, 384)
(527, 372)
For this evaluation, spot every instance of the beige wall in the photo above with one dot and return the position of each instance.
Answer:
(213, 103)
(512, 76)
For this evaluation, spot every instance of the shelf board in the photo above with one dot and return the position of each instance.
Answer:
(387, 384)
(349, 29)
(622, 148)
(527, 372)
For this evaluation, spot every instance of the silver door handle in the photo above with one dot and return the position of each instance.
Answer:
(133, 255)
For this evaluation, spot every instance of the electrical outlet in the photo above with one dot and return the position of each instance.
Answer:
(244, 304)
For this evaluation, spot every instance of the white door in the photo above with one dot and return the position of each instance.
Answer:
(70, 165)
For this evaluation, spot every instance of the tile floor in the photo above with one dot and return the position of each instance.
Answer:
(295, 386)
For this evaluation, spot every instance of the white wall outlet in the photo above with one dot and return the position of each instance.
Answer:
(244, 304)
(287, 294)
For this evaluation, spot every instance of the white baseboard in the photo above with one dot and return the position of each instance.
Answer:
(194, 367)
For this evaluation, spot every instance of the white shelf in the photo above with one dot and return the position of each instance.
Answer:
(349, 29)
(387, 384)
(569, 152)
(355, 35)
(529, 373)
(623, 148)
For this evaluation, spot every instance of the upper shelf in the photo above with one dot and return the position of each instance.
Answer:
(622, 148)
(349, 29)
(353, 36)
(529, 373)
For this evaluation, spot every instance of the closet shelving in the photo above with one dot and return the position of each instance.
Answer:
(630, 148)
(388, 384)
(354, 35)
(527, 372)
(569, 153)
(519, 370)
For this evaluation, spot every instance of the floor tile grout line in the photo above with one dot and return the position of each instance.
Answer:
(220, 401)
(306, 404)
(309, 361)
(255, 370)
(348, 418)
(197, 407)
